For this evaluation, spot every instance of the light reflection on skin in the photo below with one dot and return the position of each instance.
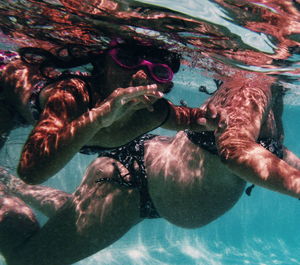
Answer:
(189, 179)
(181, 175)
(101, 213)
(62, 119)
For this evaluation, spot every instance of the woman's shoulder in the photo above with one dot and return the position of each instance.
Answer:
(74, 86)
(72, 93)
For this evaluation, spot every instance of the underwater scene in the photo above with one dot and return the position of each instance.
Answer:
(218, 40)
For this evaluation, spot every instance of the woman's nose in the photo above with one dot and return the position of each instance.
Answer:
(140, 78)
(140, 74)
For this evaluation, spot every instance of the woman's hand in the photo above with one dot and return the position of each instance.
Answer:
(212, 118)
(124, 101)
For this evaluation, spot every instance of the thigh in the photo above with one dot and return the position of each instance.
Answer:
(98, 215)
(103, 201)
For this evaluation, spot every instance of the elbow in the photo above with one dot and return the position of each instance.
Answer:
(234, 150)
(34, 164)
(228, 153)
(29, 175)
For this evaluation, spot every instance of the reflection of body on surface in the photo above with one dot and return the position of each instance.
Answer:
(185, 182)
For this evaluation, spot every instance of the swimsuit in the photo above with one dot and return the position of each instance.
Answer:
(5, 58)
(130, 155)
(34, 106)
(34, 102)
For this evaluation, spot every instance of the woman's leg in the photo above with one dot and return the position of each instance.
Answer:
(97, 215)
(45, 199)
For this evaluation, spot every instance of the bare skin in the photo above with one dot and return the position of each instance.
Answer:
(254, 111)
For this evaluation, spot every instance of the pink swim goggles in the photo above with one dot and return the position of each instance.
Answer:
(127, 59)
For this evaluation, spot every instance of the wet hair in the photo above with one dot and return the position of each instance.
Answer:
(67, 57)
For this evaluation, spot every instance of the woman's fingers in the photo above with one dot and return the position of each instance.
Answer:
(142, 94)
(124, 100)
(147, 102)
(212, 117)
(135, 90)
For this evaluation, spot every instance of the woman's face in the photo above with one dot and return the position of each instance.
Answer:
(117, 76)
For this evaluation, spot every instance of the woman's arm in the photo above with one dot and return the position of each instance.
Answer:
(246, 108)
(66, 125)
(205, 118)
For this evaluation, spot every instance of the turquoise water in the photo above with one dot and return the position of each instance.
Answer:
(261, 229)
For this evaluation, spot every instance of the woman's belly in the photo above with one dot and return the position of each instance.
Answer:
(189, 186)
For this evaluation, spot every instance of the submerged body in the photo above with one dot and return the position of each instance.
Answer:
(185, 184)
(68, 114)
(100, 212)
(173, 178)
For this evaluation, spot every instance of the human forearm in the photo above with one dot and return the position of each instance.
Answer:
(55, 139)
(49, 148)
(195, 119)
(253, 163)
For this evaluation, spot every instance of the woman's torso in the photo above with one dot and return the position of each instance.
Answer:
(189, 186)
